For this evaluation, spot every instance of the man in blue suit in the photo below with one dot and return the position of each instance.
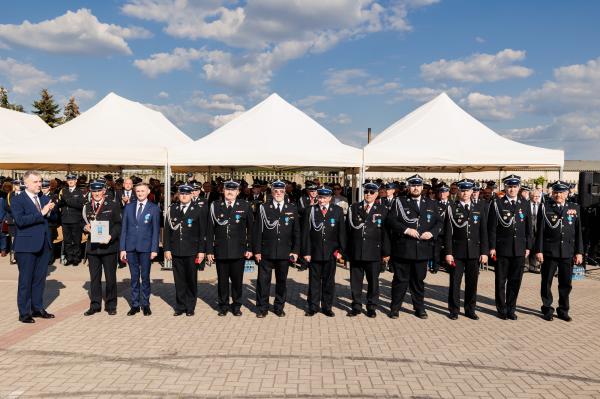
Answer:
(139, 245)
(33, 245)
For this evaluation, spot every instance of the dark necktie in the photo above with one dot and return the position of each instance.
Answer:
(37, 204)
(278, 207)
(139, 212)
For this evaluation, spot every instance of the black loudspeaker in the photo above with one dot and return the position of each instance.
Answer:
(589, 189)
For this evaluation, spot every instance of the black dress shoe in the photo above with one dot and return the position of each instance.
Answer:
(353, 313)
(236, 312)
(147, 311)
(371, 313)
(421, 314)
(26, 319)
(133, 311)
(511, 316)
(111, 312)
(90, 312)
(222, 312)
(329, 313)
(189, 314)
(280, 313)
(548, 317)
(502, 316)
(178, 313)
(453, 316)
(565, 317)
(262, 314)
(309, 313)
(76, 263)
(42, 314)
(394, 314)
(472, 316)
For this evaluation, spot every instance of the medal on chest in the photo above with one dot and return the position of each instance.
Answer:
(286, 220)
(237, 218)
(332, 222)
(475, 219)
(189, 222)
(147, 218)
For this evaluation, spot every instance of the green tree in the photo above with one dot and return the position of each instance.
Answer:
(47, 109)
(71, 110)
(4, 103)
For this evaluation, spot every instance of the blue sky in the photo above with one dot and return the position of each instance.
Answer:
(528, 69)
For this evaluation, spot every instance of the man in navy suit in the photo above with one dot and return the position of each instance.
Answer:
(139, 245)
(33, 245)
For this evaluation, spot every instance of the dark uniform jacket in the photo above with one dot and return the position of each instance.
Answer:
(323, 235)
(303, 204)
(510, 228)
(559, 230)
(388, 202)
(255, 202)
(405, 214)
(229, 232)
(71, 204)
(368, 238)
(185, 234)
(277, 234)
(119, 197)
(108, 210)
(466, 233)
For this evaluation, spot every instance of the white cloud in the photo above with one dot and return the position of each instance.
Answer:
(575, 87)
(488, 107)
(357, 82)
(479, 39)
(181, 115)
(342, 119)
(83, 94)
(77, 32)
(163, 94)
(26, 79)
(478, 67)
(220, 120)
(424, 94)
(269, 32)
(159, 63)
(309, 101)
(220, 102)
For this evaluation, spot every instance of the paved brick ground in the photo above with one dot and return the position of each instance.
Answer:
(211, 357)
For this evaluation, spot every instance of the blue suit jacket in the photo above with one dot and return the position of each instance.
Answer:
(32, 227)
(140, 235)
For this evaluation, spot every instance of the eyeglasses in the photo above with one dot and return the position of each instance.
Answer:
(371, 192)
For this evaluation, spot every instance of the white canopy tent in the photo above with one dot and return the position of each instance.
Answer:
(114, 132)
(451, 140)
(272, 135)
(15, 127)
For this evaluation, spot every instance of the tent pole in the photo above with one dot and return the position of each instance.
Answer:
(560, 173)
(361, 178)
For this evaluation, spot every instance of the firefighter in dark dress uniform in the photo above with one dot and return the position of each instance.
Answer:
(70, 202)
(323, 243)
(229, 243)
(277, 242)
(184, 243)
(558, 245)
(415, 224)
(102, 255)
(368, 248)
(510, 232)
(466, 247)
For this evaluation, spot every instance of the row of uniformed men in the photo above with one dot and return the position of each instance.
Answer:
(402, 232)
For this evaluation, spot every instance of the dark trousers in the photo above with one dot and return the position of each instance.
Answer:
(72, 238)
(139, 267)
(230, 270)
(358, 270)
(263, 283)
(408, 274)
(96, 263)
(33, 268)
(321, 284)
(185, 275)
(565, 274)
(470, 268)
(508, 273)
